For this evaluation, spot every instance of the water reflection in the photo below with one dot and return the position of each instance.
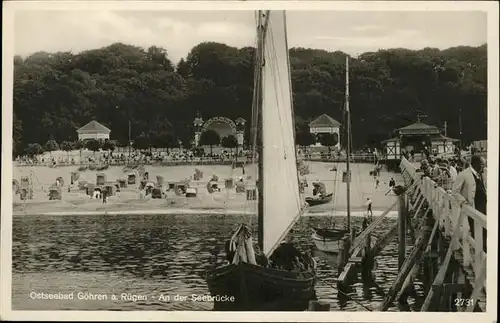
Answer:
(154, 254)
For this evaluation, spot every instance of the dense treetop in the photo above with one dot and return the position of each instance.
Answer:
(56, 93)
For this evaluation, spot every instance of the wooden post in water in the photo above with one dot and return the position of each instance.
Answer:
(367, 260)
(402, 217)
(343, 255)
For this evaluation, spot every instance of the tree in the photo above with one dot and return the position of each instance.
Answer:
(163, 140)
(51, 145)
(109, 145)
(230, 142)
(117, 84)
(329, 140)
(305, 138)
(209, 138)
(93, 145)
(79, 145)
(142, 142)
(67, 146)
(33, 150)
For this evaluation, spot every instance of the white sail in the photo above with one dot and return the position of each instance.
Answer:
(282, 202)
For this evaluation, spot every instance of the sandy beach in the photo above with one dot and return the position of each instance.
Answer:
(226, 201)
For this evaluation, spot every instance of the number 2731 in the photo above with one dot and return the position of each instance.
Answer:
(464, 301)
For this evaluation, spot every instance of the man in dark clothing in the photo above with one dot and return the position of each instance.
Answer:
(478, 162)
(392, 183)
(284, 256)
(469, 188)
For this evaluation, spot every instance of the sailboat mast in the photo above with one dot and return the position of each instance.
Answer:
(261, 27)
(348, 144)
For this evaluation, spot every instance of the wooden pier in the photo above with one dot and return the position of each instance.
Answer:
(445, 256)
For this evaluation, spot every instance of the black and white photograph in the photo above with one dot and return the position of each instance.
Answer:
(249, 159)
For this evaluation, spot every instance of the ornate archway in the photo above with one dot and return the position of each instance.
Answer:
(222, 125)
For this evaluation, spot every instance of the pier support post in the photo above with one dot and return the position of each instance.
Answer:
(343, 255)
(402, 218)
(367, 260)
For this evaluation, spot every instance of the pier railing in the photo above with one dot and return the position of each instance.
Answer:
(454, 222)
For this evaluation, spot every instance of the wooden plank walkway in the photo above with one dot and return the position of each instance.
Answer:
(453, 223)
(442, 253)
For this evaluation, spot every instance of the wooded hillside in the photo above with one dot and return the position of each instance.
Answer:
(56, 93)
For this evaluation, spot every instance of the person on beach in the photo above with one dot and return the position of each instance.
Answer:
(392, 183)
(377, 182)
(105, 197)
(369, 206)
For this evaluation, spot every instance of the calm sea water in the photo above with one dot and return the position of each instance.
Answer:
(151, 256)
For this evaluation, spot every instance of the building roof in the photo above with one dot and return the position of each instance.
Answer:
(324, 120)
(240, 120)
(94, 127)
(444, 138)
(395, 139)
(419, 128)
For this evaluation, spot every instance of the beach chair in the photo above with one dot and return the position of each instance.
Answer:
(209, 188)
(110, 189)
(131, 178)
(156, 194)
(180, 189)
(251, 194)
(16, 187)
(240, 187)
(345, 177)
(97, 189)
(100, 179)
(74, 176)
(55, 193)
(82, 185)
(198, 175)
(122, 183)
(25, 182)
(215, 186)
(160, 181)
(191, 192)
(24, 194)
(90, 189)
(229, 183)
(60, 180)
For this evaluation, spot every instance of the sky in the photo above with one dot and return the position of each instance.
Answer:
(354, 32)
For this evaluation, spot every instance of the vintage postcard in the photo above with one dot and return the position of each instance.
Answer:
(242, 161)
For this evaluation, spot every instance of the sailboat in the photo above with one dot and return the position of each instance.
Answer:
(264, 281)
(329, 239)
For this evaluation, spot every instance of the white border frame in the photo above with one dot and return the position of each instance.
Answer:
(490, 7)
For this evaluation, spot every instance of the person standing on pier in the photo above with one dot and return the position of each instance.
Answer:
(369, 206)
(469, 188)
(392, 183)
(453, 171)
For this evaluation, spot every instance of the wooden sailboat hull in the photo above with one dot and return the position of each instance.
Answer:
(326, 245)
(257, 288)
(326, 199)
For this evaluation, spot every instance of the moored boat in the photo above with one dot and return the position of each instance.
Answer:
(318, 201)
(329, 239)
